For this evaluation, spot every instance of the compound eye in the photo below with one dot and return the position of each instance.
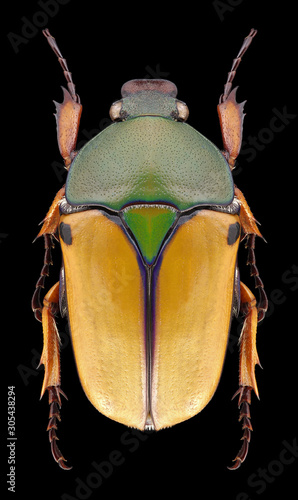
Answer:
(115, 111)
(182, 111)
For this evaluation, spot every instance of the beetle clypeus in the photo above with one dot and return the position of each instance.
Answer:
(153, 201)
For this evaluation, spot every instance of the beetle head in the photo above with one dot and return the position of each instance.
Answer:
(149, 98)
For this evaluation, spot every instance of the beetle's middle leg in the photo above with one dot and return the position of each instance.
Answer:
(250, 231)
(50, 358)
(248, 359)
(48, 231)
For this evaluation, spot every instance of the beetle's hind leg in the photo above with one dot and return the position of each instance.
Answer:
(248, 359)
(50, 358)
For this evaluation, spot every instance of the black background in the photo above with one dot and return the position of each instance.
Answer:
(193, 46)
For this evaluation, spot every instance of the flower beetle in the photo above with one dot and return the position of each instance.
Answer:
(149, 222)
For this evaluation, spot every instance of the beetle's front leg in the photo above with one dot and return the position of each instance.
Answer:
(231, 112)
(68, 113)
(50, 358)
(248, 359)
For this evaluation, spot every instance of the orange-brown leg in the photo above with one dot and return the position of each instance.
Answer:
(230, 112)
(50, 358)
(250, 231)
(48, 231)
(68, 113)
(248, 359)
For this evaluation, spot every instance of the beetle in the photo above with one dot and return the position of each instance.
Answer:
(149, 223)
